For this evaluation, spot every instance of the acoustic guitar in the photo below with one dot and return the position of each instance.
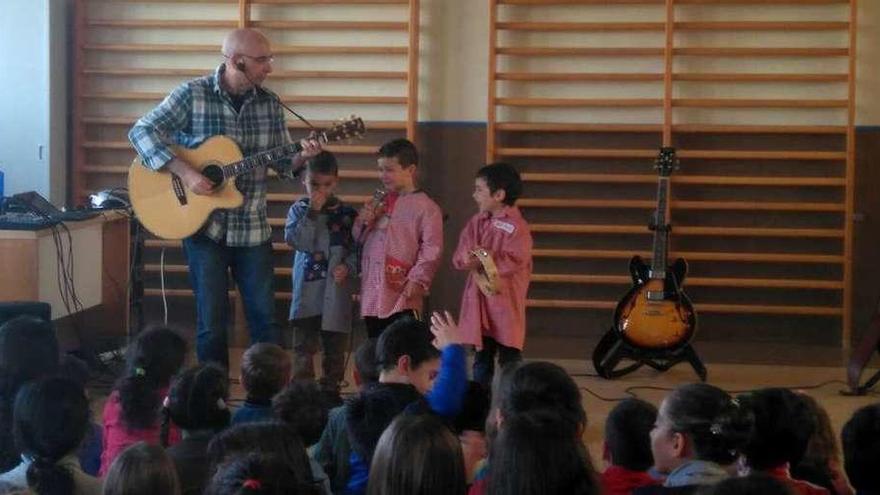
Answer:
(655, 314)
(169, 210)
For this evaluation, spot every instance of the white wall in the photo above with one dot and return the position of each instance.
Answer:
(868, 70)
(33, 113)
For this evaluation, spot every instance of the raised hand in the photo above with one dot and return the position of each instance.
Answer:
(445, 329)
(317, 199)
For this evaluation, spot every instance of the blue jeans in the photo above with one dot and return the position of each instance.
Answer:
(209, 263)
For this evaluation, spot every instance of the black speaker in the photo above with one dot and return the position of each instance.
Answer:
(9, 310)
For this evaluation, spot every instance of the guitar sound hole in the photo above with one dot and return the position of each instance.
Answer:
(214, 173)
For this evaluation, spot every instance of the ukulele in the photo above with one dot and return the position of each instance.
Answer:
(169, 210)
(655, 314)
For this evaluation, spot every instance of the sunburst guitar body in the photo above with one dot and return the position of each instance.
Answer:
(169, 210)
(656, 314)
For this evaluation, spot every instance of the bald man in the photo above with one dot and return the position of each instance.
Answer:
(229, 102)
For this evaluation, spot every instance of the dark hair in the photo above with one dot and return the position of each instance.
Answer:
(369, 413)
(51, 420)
(74, 368)
(783, 425)
(717, 425)
(417, 454)
(402, 149)
(628, 434)
(365, 361)
(753, 484)
(822, 450)
(323, 163)
(257, 474)
(502, 176)
(271, 438)
(861, 448)
(474, 409)
(28, 350)
(304, 408)
(197, 400)
(535, 385)
(153, 358)
(405, 337)
(530, 440)
(142, 469)
(264, 369)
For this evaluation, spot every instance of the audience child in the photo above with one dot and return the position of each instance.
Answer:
(700, 429)
(546, 390)
(304, 407)
(256, 474)
(366, 370)
(527, 386)
(861, 450)
(401, 241)
(753, 484)
(28, 351)
(319, 227)
(537, 452)
(497, 323)
(409, 365)
(265, 369)
(627, 447)
(822, 463)
(51, 418)
(783, 426)
(417, 454)
(270, 438)
(74, 368)
(333, 449)
(131, 413)
(197, 405)
(142, 469)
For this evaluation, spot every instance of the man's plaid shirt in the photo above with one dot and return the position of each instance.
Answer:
(200, 109)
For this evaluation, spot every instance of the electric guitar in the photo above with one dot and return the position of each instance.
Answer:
(656, 314)
(169, 210)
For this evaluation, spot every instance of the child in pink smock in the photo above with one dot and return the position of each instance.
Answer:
(401, 241)
(495, 324)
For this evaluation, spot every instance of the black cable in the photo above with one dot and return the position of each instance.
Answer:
(278, 99)
(630, 391)
(605, 399)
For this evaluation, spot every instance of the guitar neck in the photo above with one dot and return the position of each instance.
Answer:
(661, 232)
(261, 159)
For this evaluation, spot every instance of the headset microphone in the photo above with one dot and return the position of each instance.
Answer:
(240, 65)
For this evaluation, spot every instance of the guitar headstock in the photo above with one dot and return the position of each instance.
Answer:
(350, 128)
(666, 161)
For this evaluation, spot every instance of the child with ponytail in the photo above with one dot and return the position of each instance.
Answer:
(51, 418)
(700, 430)
(132, 412)
(257, 474)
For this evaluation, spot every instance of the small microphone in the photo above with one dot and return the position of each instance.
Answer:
(240, 65)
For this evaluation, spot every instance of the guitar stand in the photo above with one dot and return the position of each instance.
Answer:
(611, 349)
(861, 355)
